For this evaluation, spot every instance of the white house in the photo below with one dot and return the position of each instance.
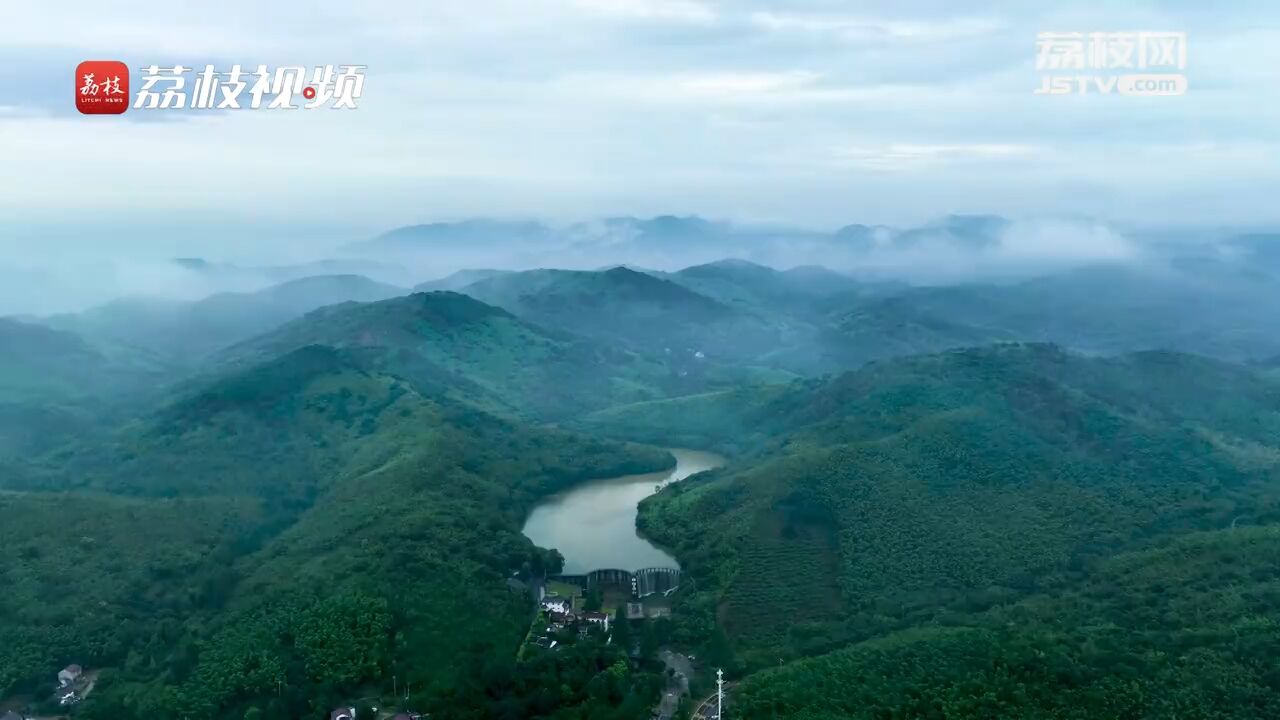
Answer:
(69, 674)
(557, 604)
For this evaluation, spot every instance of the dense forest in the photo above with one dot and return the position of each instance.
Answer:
(975, 490)
(1184, 629)
(927, 513)
(306, 525)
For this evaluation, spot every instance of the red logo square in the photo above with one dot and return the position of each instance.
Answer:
(102, 87)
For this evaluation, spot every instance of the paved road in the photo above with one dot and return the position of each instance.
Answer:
(668, 705)
(680, 663)
(677, 685)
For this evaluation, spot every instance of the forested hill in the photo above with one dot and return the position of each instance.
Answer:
(811, 321)
(1162, 388)
(305, 529)
(750, 286)
(25, 354)
(1204, 308)
(637, 310)
(1185, 629)
(41, 365)
(55, 384)
(185, 333)
(932, 489)
(453, 344)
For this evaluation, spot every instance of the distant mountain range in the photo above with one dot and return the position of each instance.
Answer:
(186, 332)
(666, 241)
(811, 320)
(738, 313)
(251, 277)
(950, 249)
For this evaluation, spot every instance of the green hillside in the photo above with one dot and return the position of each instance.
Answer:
(727, 421)
(455, 282)
(452, 344)
(187, 332)
(638, 311)
(1210, 310)
(108, 580)
(754, 287)
(349, 529)
(811, 321)
(55, 385)
(1185, 629)
(892, 496)
(40, 364)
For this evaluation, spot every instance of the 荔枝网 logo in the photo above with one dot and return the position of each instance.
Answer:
(102, 87)
(1103, 63)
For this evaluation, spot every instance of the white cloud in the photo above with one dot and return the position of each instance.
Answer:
(572, 108)
(897, 157)
(687, 11)
(852, 29)
(1054, 240)
(720, 84)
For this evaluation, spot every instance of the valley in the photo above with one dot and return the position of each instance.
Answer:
(964, 501)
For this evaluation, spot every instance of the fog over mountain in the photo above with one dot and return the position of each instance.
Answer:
(953, 248)
(640, 360)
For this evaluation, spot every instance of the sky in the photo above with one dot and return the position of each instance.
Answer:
(812, 113)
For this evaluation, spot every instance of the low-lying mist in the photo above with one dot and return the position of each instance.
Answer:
(953, 249)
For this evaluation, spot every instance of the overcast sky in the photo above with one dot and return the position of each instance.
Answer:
(816, 113)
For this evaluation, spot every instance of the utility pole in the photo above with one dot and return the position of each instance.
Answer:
(719, 694)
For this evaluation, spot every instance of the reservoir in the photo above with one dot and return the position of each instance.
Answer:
(594, 524)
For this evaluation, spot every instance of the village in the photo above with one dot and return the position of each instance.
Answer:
(563, 610)
(583, 603)
(577, 608)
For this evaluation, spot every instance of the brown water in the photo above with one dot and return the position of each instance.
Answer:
(594, 524)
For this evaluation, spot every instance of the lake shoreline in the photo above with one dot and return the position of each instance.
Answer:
(594, 523)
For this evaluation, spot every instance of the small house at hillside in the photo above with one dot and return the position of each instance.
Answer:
(557, 604)
(343, 713)
(596, 618)
(69, 674)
